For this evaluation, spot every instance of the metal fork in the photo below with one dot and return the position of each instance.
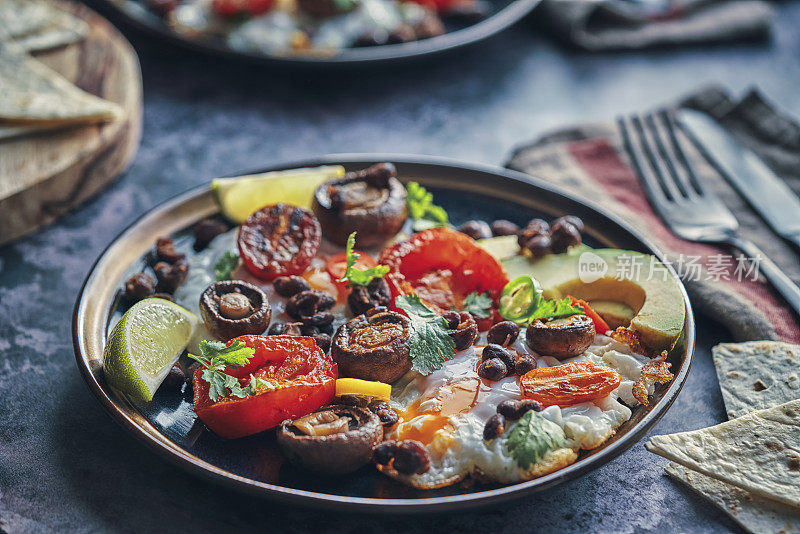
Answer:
(692, 211)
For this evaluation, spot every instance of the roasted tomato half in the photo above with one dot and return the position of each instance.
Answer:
(443, 266)
(240, 8)
(279, 240)
(569, 384)
(306, 379)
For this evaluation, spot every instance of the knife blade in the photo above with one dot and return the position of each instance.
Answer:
(742, 168)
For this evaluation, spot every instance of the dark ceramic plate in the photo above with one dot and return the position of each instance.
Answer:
(168, 425)
(502, 14)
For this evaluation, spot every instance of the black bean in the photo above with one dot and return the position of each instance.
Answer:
(411, 458)
(175, 378)
(351, 399)
(524, 364)
(452, 318)
(466, 332)
(288, 286)
(384, 412)
(170, 277)
(206, 230)
(515, 409)
(571, 219)
(494, 427)
(285, 329)
(539, 246)
(165, 251)
(504, 227)
(190, 372)
(318, 319)
(138, 287)
(493, 369)
(364, 298)
(562, 236)
(384, 452)
(476, 229)
(503, 333)
(492, 351)
(308, 303)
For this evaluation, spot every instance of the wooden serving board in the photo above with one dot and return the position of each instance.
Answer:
(44, 175)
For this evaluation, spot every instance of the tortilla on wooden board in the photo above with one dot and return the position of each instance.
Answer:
(38, 25)
(31, 94)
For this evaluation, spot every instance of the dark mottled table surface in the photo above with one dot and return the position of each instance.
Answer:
(66, 467)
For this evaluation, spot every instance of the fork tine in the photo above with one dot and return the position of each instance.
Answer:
(695, 182)
(630, 138)
(649, 141)
(667, 158)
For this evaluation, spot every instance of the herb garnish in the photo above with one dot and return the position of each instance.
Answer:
(431, 342)
(359, 277)
(547, 309)
(421, 208)
(215, 356)
(478, 304)
(225, 266)
(531, 438)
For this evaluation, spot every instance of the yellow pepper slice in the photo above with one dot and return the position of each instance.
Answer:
(366, 388)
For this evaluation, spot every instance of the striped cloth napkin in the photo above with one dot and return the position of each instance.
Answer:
(590, 161)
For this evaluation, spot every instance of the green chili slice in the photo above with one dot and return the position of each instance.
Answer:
(520, 298)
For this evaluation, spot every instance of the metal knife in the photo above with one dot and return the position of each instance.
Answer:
(766, 192)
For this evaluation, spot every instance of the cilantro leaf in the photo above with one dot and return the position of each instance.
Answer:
(225, 266)
(555, 308)
(531, 437)
(359, 277)
(421, 208)
(478, 304)
(431, 342)
(215, 356)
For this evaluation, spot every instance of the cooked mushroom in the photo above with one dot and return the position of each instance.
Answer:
(561, 338)
(334, 439)
(234, 308)
(373, 348)
(371, 202)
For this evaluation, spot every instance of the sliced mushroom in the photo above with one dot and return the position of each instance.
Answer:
(334, 439)
(562, 337)
(373, 348)
(371, 202)
(234, 308)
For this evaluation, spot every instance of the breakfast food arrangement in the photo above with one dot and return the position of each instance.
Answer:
(311, 27)
(346, 317)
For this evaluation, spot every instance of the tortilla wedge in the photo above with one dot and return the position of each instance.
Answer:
(754, 514)
(757, 374)
(31, 94)
(38, 25)
(759, 452)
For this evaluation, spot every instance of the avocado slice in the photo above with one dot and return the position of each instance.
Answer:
(652, 294)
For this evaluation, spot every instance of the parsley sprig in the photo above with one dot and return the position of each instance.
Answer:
(478, 304)
(355, 276)
(431, 342)
(225, 266)
(552, 309)
(421, 208)
(215, 356)
(531, 437)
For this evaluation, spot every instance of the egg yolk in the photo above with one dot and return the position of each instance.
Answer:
(429, 415)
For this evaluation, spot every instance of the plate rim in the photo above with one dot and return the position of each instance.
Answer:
(500, 21)
(185, 460)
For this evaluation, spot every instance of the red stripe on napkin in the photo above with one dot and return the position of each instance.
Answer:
(601, 162)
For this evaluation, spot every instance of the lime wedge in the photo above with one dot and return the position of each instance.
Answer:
(239, 197)
(145, 344)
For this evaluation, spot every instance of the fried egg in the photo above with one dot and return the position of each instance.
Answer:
(447, 410)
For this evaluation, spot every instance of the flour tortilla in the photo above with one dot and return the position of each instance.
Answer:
(757, 375)
(759, 452)
(754, 514)
(38, 25)
(31, 94)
